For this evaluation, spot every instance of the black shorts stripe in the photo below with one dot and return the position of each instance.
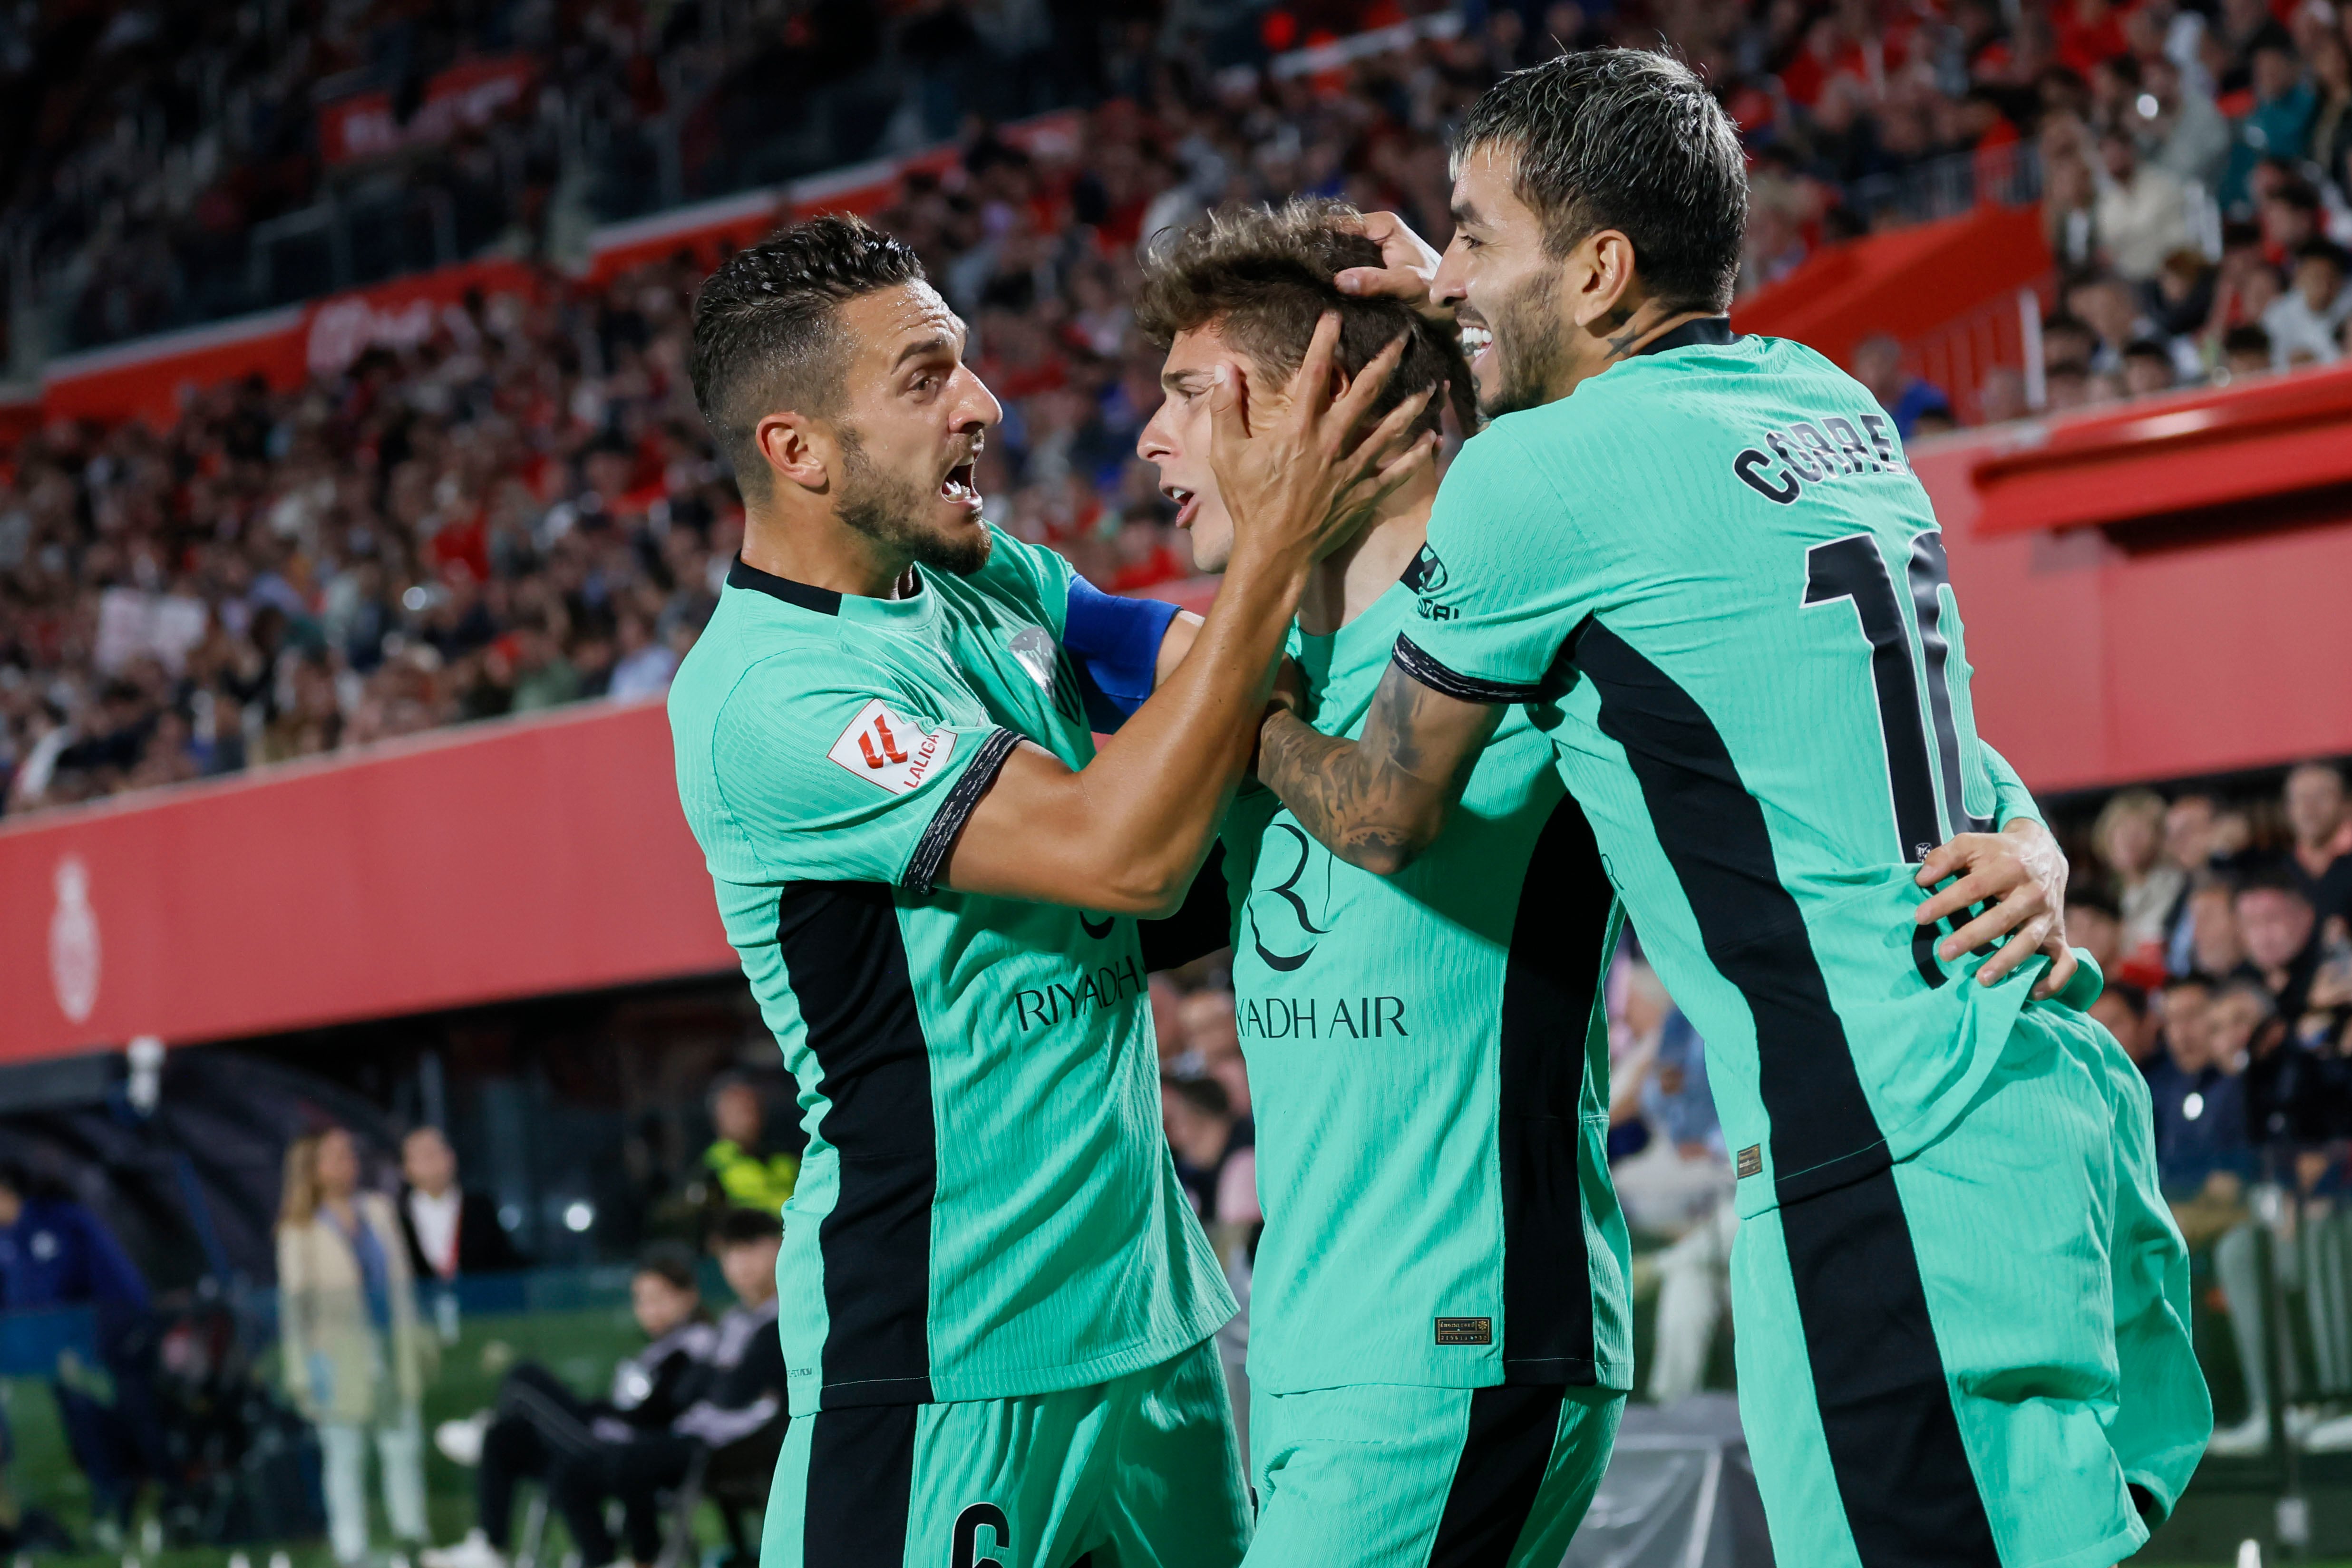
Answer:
(931, 856)
(1911, 1500)
(1887, 1411)
(1551, 972)
(1409, 658)
(847, 961)
(1496, 1478)
(861, 1483)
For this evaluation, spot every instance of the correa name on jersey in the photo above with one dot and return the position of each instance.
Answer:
(1811, 451)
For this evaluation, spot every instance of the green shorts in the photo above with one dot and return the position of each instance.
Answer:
(1142, 1472)
(1389, 1475)
(1979, 1355)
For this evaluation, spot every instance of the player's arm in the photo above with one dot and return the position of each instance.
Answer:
(2018, 874)
(1126, 833)
(1377, 802)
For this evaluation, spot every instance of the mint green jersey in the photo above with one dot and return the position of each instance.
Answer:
(1429, 1067)
(1716, 580)
(987, 1206)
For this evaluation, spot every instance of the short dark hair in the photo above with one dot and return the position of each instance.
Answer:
(1263, 277)
(742, 1227)
(765, 328)
(2250, 338)
(671, 1262)
(2273, 877)
(1627, 140)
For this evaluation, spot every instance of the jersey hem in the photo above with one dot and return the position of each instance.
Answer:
(1609, 1379)
(931, 850)
(974, 1387)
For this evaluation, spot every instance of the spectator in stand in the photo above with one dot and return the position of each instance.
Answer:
(450, 1230)
(2202, 1144)
(644, 663)
(1878, 365)
(350, 1345)
(1217, 1171)
(2305, 321)
(2281, 936)
(744, 1171)
(2188, 831)
(2128, 839)
(2181, 131)
(2245, 353)
(2124, 1009)
(737, 1398)
(2215, 946)
(2101, 932)
(538, 1419)
(2320, 817)
(2149, 368)
(2278, 124)
(2143, 212)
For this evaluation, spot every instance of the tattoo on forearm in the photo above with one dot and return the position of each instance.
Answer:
(1366, 800)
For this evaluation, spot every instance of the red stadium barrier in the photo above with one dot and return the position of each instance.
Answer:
(529, 857)
(2158, 591)
(149, 377)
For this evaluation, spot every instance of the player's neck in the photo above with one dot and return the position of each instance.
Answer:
(1620, 336)
(1346, 582)
(815, 548)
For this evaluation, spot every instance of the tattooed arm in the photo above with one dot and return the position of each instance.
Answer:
(1377, 802)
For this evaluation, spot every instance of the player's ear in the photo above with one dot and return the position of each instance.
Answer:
(1599, 275)
(793, 449)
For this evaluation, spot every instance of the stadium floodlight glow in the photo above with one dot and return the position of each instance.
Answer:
(579, 1214)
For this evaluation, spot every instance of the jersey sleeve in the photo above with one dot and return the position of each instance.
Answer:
(837, 772)
(1495, 606)
(2011, 798)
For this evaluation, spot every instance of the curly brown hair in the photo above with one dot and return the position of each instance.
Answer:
(1263, 277)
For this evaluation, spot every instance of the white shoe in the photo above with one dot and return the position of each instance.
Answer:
(460, 1443)
(474, 1551)
(2250, 1436)
(2329, 1436)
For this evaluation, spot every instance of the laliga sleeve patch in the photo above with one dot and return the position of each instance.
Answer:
(889, 751)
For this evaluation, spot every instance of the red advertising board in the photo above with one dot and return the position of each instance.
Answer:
(469, 93)
(502, 861)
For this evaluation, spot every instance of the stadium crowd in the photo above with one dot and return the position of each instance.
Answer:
(524, 510)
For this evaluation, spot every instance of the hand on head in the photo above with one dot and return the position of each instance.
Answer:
(1296, 476)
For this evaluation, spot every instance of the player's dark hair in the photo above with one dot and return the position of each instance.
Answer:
(670, 1262)
(1263, 277)
(1624, 139)
(767, 328)
(742, 1227)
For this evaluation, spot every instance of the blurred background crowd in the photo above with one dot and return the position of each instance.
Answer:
(520, 509)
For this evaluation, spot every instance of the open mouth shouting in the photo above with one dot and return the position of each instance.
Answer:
(1188, 503)
(959, 489)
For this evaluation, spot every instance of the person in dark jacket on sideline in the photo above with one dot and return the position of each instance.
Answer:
(740, 1396)
(539, 1426)
(56, 1253)
(451, 1231)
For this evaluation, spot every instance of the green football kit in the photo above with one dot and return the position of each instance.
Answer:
(1440, 1319)
(996, 1297)
(1712, 580)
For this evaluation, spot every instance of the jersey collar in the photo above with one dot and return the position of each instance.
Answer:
(915, 609)
(1710, 329)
